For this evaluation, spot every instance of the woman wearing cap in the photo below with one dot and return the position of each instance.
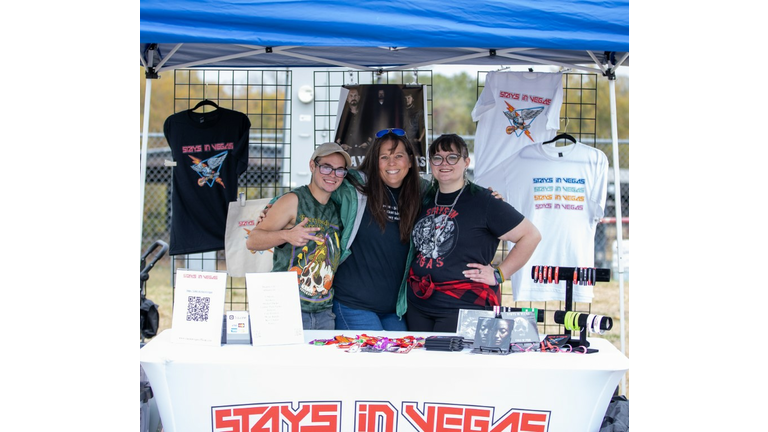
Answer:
(456, 237)
(304, 229)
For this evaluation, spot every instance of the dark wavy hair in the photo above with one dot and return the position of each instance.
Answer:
(447, 143)
(409, 201)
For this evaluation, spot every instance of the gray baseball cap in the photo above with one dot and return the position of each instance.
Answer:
(328, 148)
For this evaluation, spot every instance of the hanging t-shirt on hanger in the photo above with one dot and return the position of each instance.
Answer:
(211, 151)
(514, 110)
(562, 191)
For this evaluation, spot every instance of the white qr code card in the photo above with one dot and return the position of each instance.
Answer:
(198, 306)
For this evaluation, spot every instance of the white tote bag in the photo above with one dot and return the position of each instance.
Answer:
(241, 219)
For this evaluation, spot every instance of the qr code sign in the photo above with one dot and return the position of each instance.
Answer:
(197, 308)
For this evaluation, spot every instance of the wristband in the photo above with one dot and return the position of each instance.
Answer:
(590, 324)
(567, 320)
(596, 324)
(501, 275)
(497, 276)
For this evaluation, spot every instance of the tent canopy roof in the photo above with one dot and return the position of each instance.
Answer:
(382, 34)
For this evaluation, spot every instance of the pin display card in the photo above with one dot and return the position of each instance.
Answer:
(275, 309)
(198, 306)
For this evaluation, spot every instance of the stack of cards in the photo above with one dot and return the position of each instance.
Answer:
(444, 343)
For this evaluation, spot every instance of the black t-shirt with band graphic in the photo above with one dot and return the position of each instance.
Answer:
(211, 151)
(446, 240)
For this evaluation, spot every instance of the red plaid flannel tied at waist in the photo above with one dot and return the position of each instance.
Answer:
(423, 287)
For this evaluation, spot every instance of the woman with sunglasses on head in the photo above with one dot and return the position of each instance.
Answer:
(456, 237)
(368, 289)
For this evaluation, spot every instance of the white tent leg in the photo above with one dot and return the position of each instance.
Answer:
(619, 232)
(144, 139)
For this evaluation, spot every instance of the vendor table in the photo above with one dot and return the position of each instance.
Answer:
(305, 387)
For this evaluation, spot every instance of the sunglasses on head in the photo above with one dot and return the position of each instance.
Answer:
(396, 131)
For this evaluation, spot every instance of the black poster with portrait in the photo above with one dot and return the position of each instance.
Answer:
(366, 109)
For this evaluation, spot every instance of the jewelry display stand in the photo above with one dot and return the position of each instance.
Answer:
(567, 274)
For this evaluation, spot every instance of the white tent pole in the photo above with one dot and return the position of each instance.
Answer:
(144, 140)
(617, 205)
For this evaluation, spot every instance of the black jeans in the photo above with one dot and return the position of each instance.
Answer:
(442, 322)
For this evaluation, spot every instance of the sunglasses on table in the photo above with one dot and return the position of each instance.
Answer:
(326, 169)
(452, 159)
(396, 131)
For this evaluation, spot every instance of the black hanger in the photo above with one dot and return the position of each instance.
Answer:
(561, 136)
(205, 102)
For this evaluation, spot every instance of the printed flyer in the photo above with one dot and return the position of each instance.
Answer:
(198, 307)
(274, 305)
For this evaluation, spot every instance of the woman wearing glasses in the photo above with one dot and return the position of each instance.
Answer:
(384, 202)
(304, 227)
(456, 237)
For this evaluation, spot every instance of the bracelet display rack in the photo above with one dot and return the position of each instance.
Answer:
(568, 274)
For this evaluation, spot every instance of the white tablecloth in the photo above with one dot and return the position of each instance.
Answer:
(236, 387)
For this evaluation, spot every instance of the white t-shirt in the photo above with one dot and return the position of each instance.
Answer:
(514, 110)
(562, 191)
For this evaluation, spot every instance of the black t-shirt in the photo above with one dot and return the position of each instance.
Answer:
(370, 277)
(446, 241)
(211, 151)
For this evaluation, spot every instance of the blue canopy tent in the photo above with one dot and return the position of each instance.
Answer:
(383, 35)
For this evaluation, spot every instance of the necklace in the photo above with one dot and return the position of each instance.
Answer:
(438, 232)
(393, 213)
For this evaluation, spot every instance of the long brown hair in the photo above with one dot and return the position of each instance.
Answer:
(409, 201)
